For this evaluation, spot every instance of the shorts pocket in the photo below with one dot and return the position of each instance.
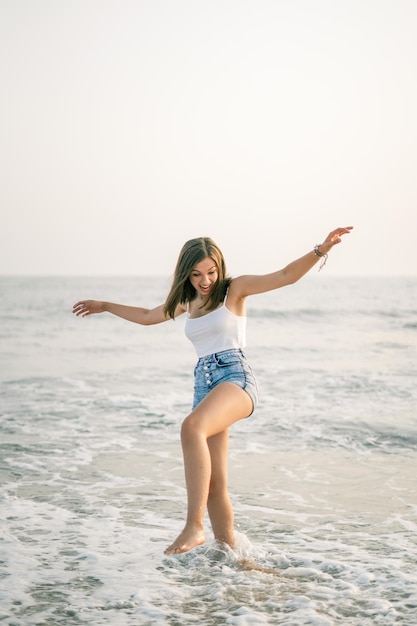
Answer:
(223, 359)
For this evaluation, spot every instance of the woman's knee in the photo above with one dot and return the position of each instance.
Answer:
(190, 428)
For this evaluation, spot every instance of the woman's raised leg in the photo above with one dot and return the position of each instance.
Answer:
(225, 404)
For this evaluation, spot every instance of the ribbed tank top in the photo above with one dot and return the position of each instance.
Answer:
(216, 331)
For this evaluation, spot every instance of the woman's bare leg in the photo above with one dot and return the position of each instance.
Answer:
(219, 506)
(225, 404)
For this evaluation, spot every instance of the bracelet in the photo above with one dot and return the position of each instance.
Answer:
(322, 255)
(317, 251)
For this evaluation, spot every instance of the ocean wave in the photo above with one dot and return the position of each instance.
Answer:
(322, 475)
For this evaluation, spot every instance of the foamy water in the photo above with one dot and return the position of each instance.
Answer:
(322, 476)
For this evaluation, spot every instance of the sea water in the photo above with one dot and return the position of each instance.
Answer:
(322, 475)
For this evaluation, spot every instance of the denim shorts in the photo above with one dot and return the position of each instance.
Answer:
(229, 366)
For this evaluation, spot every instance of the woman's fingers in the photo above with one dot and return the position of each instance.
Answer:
(336, 235)
(84, 307)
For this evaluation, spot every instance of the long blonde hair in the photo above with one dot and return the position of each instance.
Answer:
(194, 251)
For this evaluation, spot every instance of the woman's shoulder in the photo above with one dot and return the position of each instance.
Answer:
(235, 286)
(235, 300)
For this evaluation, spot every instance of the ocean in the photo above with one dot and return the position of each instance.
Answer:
(323, 476)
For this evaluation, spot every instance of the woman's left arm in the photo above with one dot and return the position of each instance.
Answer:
(244, 286)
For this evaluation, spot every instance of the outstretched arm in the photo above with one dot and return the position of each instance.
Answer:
(249, 285)
(138, 315)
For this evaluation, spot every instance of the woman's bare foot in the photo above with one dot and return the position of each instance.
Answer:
(190, 538)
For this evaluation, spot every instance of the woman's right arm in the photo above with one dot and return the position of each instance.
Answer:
(135, 314)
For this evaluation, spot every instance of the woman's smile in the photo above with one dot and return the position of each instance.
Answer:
(204, 275)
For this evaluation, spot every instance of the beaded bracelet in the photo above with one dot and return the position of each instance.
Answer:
(322, 255)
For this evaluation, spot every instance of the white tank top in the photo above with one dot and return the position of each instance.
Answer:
(216, 331)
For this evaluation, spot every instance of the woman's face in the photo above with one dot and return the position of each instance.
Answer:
(203, 276)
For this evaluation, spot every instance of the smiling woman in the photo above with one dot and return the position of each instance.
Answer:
(204, 276)
(225, 389)
(200, 264)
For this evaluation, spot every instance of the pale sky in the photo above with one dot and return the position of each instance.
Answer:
(130, 126)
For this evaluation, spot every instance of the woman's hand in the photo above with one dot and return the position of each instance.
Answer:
(88, 307)
(333, 238)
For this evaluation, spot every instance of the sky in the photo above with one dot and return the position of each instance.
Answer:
(130, 126)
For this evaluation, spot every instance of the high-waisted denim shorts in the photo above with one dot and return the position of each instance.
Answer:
(229, 366)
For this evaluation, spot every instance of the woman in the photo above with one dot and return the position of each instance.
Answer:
(225, 389)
